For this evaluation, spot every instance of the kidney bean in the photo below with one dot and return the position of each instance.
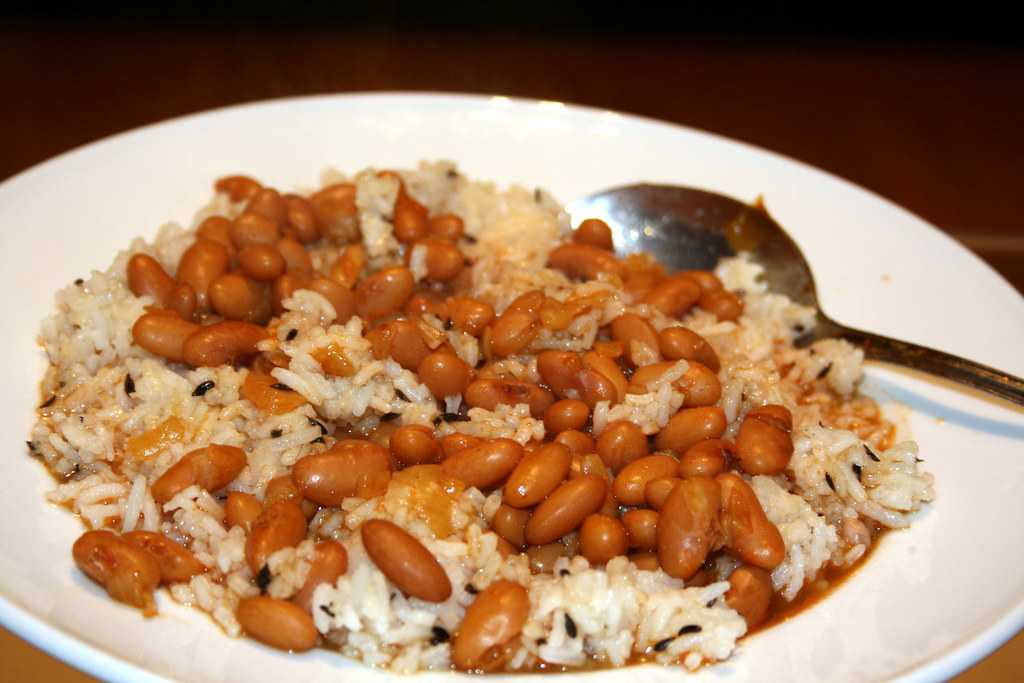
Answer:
(639, 337)
(631, 481)
(537, 474)
(177, 563)
(400, 340)
(282, 524)
(674, 296)
(576, 441)
(490, 393)
(384, 293)
(688, 526)
(469, 315)
(241, 509)
(277, 623)
(484, 465)
(746, 529)
(689, 426)
(656, 491)
(128, 573)
(330, 560)
(146, 277)
(285, 285)
(238, 187)
(641, 528)
(223, 343)
(442, 259)
(446, 226)
(510, 524)
(595, 233)
(405, 561)
(200, 265)
(762, 446)
(750, 594)
(329, 477)
(414, 445)
(583, 261)
(566, 414)
(334, 207)
(680, 343)
(301, 219)
(621, 443)
(645, 561)
(495, 617)
(566, 508)
(218, 229)
(236, 297)
(445, 374)
(704, 459)
(602, 538)
(252, 228)
(212, 467)
(341, 299)
(163, 334)
(722, 304)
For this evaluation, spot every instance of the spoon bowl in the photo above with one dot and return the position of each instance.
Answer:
(687, 229)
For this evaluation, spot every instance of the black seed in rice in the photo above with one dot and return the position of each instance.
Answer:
(129, 385)
(871, 453)
(318, 439)
(799, 329)
(275, 433)
(564, 572)
(263, 578)
(317, 423)
(480, 363)
(281, 387)
(662, 645)
(388, 417)
(570, 627)
(203, 387)
(690, 628)
(857, 469)
(79, 282)
(31, 446)
(469, 238)
(437, 421)
(49, 402)
(916, 459)
(824, 371)
(292, 334)
(710, 603)
(78, 468)
(448, 324)
(454, 417)
(471, 589)
(439, 635)
(327, 610)
(81, 419)
(828, 480)
(403, 396)
(537, 196)
(542, 641)
(452, 174)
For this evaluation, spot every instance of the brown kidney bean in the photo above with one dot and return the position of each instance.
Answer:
(537, 474)
(576, 441)
(218, 229)
(513, 331)
(646, 561)
(639, 337)
(335, 207)
(446, 226)
(237, 187)
(347, 269)
(211, 467)
(177, 563)
(621, 443)
(341, 299)
(453, 443)
(261, 261)
(269, 204)
(707, 280)
(183, 301)
(705, 458)
(510, 524)
(331, 476)
(277, 623)
(641, 528)
(504, 548)
(294, 254)
(129, 574)
(443, 259)
(542, 558)
(227, 342)
(674, 296)
(301, 219)
(414, 445)
(773, 414)
(589, 463)
(252, 228)
(163, 334)
(746, 529)
(285, 285)
(384, 293)
(484, 465)
(330, 560)
(146, 277)
(583, 261)
(591, 378)
(410, 218)
(855, 532)
(490, 393)
(470, 315)
(566, 508)
(281, 525)
(594, 232)
(722, 304)
(236, 297)
(640, 382)
(560, 371)
(631, 481)
(750, 594)
(495, 617)
(200, 265)
(445, 374)
(608, 368)
(602, 538)
(422, 303)
(284, 488)
(680, 343)
(400, 340)
(241, 509)
(566, 414)
(688, 526)
(700, 385)
(762, 447)
(656, 491)
(689, 426)
(405, 561)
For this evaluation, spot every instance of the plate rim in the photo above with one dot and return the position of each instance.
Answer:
(102, 664)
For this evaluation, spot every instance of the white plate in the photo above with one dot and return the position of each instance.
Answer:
(930, 602)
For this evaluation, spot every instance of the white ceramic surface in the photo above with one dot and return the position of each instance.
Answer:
(931, 601)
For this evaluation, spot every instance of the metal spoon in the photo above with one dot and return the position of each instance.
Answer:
(687, 228)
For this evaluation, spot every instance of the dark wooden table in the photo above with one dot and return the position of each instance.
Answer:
(934, 127)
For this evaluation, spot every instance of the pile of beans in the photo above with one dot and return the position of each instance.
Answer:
(671, 501)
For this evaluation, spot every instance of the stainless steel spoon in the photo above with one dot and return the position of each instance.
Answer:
(686, 228)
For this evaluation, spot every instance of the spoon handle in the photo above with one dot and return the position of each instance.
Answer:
(886, 349)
